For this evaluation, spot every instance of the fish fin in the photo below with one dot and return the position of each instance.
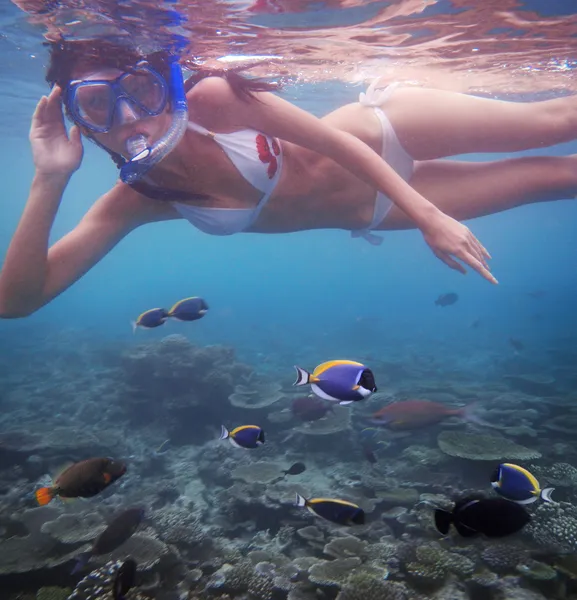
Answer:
(465, 531)
(134, 326)
(224, 433)
(526, 501)
(44, 495)
(321, 394)
(107, 477)
(61, 469)
(300, 500)
(443, 520)
(346, 402)
(546, 494)
(303, 377)
(81, 561)
(356, 387)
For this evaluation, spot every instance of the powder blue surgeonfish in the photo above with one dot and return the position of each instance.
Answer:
(245, 436)
(342, 381)
(155, 317)
(189, 309)
(517, 484)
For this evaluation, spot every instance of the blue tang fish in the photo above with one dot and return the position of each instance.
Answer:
(340, 512)
(517, 484)
(342, 381)
(189, 309)
(245, 436)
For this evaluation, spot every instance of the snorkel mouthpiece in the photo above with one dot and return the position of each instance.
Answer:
(137, 147)
(142, 156)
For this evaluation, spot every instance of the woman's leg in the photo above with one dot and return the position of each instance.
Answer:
(434, 123)
(465, 190)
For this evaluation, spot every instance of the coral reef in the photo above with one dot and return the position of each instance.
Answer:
(221, 522)
(259, 394)
(483, 447)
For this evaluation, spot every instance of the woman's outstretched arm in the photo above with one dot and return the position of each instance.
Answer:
(215, 102)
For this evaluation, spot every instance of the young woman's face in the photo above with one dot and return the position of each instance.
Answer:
(128, 119)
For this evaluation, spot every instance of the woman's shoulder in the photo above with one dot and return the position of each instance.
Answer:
(211, 89)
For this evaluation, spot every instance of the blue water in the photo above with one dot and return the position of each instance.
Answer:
(305, 286)
(298, 298)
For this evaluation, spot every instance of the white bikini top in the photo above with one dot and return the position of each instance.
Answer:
(258, 158)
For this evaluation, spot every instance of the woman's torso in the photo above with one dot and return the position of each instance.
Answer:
(312, 190)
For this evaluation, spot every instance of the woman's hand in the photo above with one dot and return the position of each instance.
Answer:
(448, 238)
(53, 150)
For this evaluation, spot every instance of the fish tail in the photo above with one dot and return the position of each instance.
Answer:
(303, 377)
(224, 433)
(546, 494)
(44, 495)
(81, 561)
(300, 500)
(443, 520)
(134, 326)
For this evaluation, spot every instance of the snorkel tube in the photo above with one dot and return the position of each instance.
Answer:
(142, 156)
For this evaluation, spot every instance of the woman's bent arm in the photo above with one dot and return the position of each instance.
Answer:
(32, 274)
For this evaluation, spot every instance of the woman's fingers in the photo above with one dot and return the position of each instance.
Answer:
(40, 110)
(54, 105)
(476, 264)
(451, 262)
(475, 250)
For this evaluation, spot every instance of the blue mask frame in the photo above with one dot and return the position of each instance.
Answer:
(117, 93)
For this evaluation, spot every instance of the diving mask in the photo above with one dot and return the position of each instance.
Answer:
(92, 103)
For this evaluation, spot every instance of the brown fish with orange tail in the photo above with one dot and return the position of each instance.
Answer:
(412, 414)
(83, 479)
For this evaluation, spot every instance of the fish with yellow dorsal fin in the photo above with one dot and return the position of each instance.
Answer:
(342, 381)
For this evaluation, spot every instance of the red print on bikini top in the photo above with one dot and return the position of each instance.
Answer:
(265, 155)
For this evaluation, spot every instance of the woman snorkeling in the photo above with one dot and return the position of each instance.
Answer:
(233, 156)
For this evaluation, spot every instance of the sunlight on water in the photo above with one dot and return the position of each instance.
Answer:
(494, 46)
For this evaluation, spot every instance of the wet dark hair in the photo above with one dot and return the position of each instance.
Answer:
(68, 55)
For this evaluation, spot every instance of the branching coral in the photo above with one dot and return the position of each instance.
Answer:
(179, 526)
(433, 564)
(361, 587)
(555, 526)
(98, 585)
